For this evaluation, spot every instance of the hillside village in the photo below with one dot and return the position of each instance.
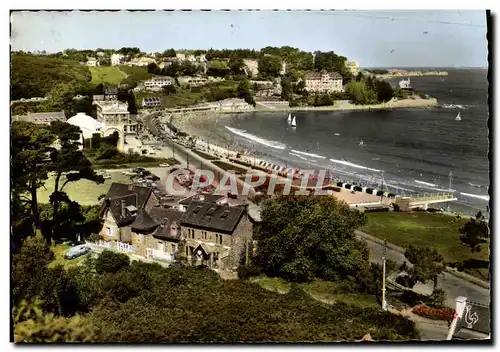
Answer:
(94, 147)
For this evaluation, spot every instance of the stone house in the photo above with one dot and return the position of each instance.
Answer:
(158, 230)
(120, 208)
(216, 235)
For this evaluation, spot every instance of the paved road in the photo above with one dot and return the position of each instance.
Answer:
(452, 286)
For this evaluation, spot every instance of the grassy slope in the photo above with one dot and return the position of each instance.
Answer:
(422, 229)
(59, 251)
(323, 291)
(107, 75)
(35, 76)
(84, 192)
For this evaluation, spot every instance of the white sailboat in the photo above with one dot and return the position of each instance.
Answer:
(458, 118)
(361, 143)
(294, 123)
(289, 119)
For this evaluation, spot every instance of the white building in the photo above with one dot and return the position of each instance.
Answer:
(116, 59)
(92, 61)
(352, 66)
(141, 61)
(158, 82)
(405, 84)
(180, 57)
(87, 124)
(193, 80)
(323, 82)
(252, 66)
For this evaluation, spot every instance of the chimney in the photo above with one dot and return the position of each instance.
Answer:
(124, 211)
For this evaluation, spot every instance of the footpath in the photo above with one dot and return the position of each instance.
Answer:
(449, 270)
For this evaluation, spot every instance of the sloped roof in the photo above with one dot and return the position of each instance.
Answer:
(212, 217)
(143, 222)
(41, 117)
(207, 198)
(130, 194)
(165, 217)
(85, 122)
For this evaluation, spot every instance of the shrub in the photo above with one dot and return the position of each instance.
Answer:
(437, 298)
(369, 190)
(357, 188)
(435, 313)
(348, 186)
(246, 271)
(396, 207)
(380, 193)
(391, 195)
(340, 184)
(110, 262)
(95, 237)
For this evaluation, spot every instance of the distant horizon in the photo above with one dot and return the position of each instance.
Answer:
(391, 38)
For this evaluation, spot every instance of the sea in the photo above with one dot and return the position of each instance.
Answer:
(405, 151)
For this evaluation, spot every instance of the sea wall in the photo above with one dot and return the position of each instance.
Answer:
(411, 74)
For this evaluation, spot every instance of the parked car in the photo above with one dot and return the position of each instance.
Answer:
(77, 251)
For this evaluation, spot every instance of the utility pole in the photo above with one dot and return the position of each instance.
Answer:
(450, 178)
(384, 306)
(187, 161)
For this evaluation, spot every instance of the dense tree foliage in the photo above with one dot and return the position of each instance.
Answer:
(32, 325)
(475, 232)
(38, 76)
(369, 90)
(331, 61)
(270, 66)
(145, 302)
(303, 237)
(428, 264)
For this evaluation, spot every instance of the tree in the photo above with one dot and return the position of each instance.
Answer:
(428, 264)
(32, 325)
(286, 89)
(217, 68)
(187, 68)
(270, 66)
(153, 68)
(71, 162)
(30, 147)
(110, 262)
(475, 232)
(169, 53)
(170, 89)
(236, 65)
(302, 237)
(173, 69)
(384, 91)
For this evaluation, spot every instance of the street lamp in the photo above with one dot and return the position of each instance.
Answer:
(384, 303)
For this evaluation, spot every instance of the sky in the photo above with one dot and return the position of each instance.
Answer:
(373, 38)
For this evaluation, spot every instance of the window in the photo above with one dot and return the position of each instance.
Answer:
(109, 231)
(141, 238)
(218, 238)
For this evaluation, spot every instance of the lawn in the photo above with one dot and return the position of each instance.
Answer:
(423, 229)
(323, 291)
(59, 251)
(84, 192)
(107, 75)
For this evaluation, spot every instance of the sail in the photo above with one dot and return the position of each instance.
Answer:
(294, 123)
(289, 118)
(458, 118)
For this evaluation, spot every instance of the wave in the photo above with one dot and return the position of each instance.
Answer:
(299, 156)
(425, 183)
(453, 106)
(254, 138)
(480, 196)
(347, 163)
(308, 154)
